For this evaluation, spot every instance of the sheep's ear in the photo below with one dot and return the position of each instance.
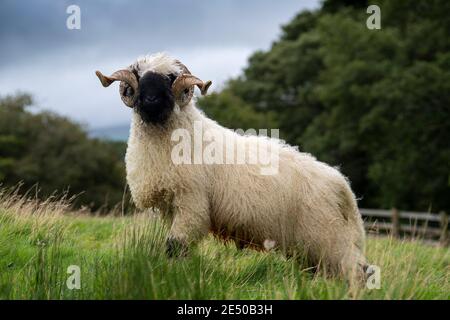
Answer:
(183, 88)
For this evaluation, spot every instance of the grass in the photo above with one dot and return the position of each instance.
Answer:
(124, 258)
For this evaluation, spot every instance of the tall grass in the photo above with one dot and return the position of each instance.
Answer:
(124, 258)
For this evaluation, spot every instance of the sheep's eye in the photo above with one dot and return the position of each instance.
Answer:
(172, 77)
(128, 91)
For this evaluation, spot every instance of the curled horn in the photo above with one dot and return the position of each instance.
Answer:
(187, 81)
(183, 86)
(126, 78)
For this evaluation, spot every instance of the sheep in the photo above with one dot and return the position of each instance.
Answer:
(306, 207)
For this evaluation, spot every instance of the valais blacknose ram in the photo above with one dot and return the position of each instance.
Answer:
(302, 207)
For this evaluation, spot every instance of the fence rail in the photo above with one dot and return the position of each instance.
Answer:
(424, 225)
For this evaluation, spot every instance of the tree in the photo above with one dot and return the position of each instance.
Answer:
(374, 102)
(56, 155)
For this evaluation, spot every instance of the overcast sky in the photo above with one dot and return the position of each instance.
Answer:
(214, 38)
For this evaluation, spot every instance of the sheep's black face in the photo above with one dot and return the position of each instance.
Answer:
(155, 101)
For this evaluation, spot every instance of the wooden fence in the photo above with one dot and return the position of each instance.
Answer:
(423, 225)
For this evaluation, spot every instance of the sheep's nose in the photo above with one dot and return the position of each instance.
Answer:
(151, 99)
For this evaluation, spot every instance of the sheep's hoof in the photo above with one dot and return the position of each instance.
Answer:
(176, 248)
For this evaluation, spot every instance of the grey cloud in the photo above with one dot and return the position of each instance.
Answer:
(213, 37)
(40, 26)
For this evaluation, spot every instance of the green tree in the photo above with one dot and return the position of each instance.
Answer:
(56, 155)
(374, 102)
(234, 113)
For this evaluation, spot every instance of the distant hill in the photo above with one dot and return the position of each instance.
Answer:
(115, 133)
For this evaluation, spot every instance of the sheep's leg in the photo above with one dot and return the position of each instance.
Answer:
(176, 248)
(189, 225)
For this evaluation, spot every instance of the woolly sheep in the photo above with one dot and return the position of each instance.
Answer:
(307, 207)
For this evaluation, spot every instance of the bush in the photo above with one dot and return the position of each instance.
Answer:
(54, 155)
(373, 102)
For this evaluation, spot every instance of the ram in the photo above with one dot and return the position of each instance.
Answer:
(305, 207)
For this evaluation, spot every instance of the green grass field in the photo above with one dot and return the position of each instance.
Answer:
(124, 258)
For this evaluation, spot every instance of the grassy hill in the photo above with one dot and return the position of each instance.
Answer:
(124, 258)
